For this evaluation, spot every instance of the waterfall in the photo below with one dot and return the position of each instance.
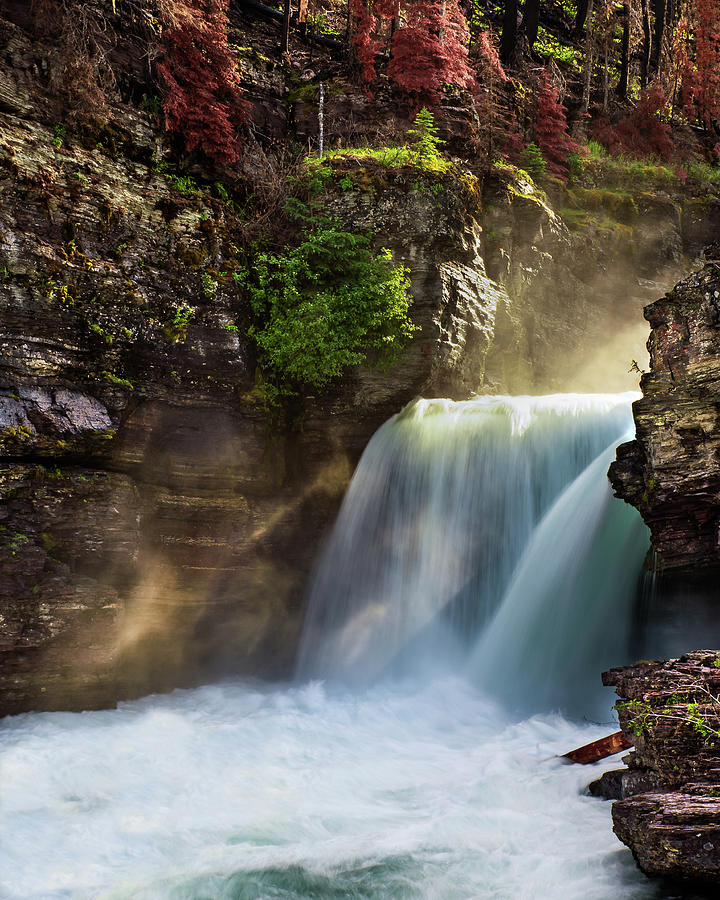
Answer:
(447, 500)
(567, 614)
(484, 531)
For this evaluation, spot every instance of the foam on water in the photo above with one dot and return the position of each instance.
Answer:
(420, 789)
(244, 791)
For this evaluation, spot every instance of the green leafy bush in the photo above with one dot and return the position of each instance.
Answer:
(331, 302)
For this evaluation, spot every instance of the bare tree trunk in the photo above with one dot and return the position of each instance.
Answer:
(606, 79)
(285, 37)
(581, 16)
(622, 86)
(660, 9)
(646, 44)
(585, 103)
(530, 21)
(508, 38)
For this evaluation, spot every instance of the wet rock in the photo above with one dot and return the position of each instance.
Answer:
(671, 471)
(668, 809)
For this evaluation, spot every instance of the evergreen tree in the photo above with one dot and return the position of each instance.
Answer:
(707, 37)
(430, 50)
(551, 131)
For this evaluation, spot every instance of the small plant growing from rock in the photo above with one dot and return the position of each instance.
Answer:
(209, 287)
(695, 707)
(426, 141)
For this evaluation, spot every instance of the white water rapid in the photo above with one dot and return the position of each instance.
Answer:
(478, 552)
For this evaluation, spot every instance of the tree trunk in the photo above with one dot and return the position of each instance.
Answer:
(585, 104)
(646, 44)
(508, 39)
(622, 86)
(285, 36)
(581, 15)
(606, 78)
(659, 8)
(531, 20)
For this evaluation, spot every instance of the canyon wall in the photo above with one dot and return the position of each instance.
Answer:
(671, 471)
(158, 517)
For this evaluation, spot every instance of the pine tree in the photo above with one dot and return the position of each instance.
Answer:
(364, 44)
(202, 97)
(707, 38)
(551, 131)
(642, 132)
(498, 133)
(430, 50)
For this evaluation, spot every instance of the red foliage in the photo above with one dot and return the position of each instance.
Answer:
(202, 99)
(551, 131)
(513, 142)
(707, 40)
(498, 130)
(488, 56)
(430, 50)
(641, 132)
(364, 44)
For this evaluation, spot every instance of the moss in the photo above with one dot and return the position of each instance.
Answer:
(575, 219)
(618, 204)
(191, 256)
(110, 378)
(48, 541)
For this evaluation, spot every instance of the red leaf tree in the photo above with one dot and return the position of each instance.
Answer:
(498, 130)
(202, 100)
(430, 50)
(551, 130)
(364, 24)
(707, 41)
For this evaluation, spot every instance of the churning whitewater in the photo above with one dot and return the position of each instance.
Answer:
(478, 575)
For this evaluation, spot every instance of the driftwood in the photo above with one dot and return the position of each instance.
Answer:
(599, 749)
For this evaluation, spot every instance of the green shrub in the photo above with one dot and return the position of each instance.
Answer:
(426, 141)
(331, 302)
(531, 159)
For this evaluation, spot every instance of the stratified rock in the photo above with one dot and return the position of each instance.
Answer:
(157, 520)
(669, 811)
(671, 471)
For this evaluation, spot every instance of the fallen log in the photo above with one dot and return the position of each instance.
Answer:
(599, 749)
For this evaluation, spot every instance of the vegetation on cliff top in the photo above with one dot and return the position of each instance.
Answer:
(603, 97)
(328, 303)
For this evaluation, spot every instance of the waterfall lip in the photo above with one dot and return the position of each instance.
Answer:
(522, 409)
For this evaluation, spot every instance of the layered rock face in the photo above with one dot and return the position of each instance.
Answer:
(668, 811)
(671, 471)
(157, 520)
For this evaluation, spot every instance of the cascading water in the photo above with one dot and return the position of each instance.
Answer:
(567, 614)
(441, 510)
(454, 524)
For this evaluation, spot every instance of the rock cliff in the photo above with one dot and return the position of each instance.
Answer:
(671, 471)
(668, 799)
(157, 520)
